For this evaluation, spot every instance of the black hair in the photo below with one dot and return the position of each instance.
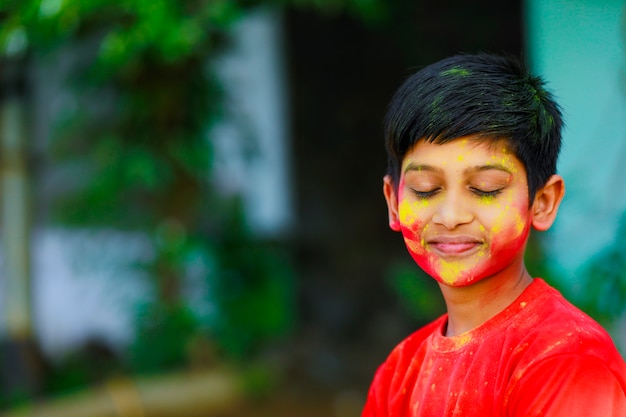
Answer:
(483, 95)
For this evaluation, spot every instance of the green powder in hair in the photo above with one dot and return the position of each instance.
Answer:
(434, 106)
(456, 72)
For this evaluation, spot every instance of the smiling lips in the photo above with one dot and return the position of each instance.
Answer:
(454, 246)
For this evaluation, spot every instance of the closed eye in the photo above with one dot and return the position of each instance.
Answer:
(483, 193)
(426, 194)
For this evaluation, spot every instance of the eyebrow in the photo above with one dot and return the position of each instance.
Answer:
(480, 168)
(421, 167)
(488, 167)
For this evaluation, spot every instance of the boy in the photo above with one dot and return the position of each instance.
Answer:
(472, 143)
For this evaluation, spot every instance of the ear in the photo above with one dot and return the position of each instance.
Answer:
(389, 190)
(547, 202)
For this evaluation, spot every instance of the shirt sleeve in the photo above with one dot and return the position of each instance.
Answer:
(372, 406)
(569, 386)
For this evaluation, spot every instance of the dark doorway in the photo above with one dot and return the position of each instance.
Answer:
(343, 71)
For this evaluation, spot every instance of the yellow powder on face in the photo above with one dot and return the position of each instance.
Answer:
(499, 221)
(450, 271)
(407, 210)
(486, 199)
(405, 213)
(497, 227)
(414, 246)
(508, 163)
(520, 225)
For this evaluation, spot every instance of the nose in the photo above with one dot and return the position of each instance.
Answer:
(452, 211)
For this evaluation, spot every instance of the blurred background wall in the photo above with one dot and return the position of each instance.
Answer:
(286, 259)
(579, 47)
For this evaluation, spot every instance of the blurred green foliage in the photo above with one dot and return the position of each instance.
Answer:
(604, 281)
(135, 152)
(418, 293)
(599, 288)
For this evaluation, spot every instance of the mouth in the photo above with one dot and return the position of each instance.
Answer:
(454, 245)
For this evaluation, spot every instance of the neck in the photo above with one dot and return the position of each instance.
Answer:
(469, 307)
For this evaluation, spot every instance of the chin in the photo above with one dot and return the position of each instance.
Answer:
(457, 282)
(454, 275)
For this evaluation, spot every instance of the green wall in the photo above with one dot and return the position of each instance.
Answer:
(578, 46)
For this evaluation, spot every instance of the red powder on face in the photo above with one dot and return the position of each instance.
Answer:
(502, 244)
(504, 247)
(463, 210)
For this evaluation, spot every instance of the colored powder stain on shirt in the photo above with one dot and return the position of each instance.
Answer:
(461, 340)
(533, 351)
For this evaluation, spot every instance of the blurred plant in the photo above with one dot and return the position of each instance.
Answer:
(600, 291)
(418, 293)
(537, 263)
(136, 150)
(604, 281)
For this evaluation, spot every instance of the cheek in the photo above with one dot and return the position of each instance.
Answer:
(509, 240)
(411, 222)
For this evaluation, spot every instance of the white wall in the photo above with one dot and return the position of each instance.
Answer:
(252, 144)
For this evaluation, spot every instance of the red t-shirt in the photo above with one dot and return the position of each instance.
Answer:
(541, 356)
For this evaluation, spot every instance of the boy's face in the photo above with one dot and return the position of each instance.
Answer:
(462, 208)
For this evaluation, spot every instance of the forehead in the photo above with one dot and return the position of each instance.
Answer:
(463, 153)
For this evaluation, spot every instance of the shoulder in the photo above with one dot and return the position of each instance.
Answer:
(390, 375)
(409, 349)
(552, 326)
(564, 352)
(573, 385)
